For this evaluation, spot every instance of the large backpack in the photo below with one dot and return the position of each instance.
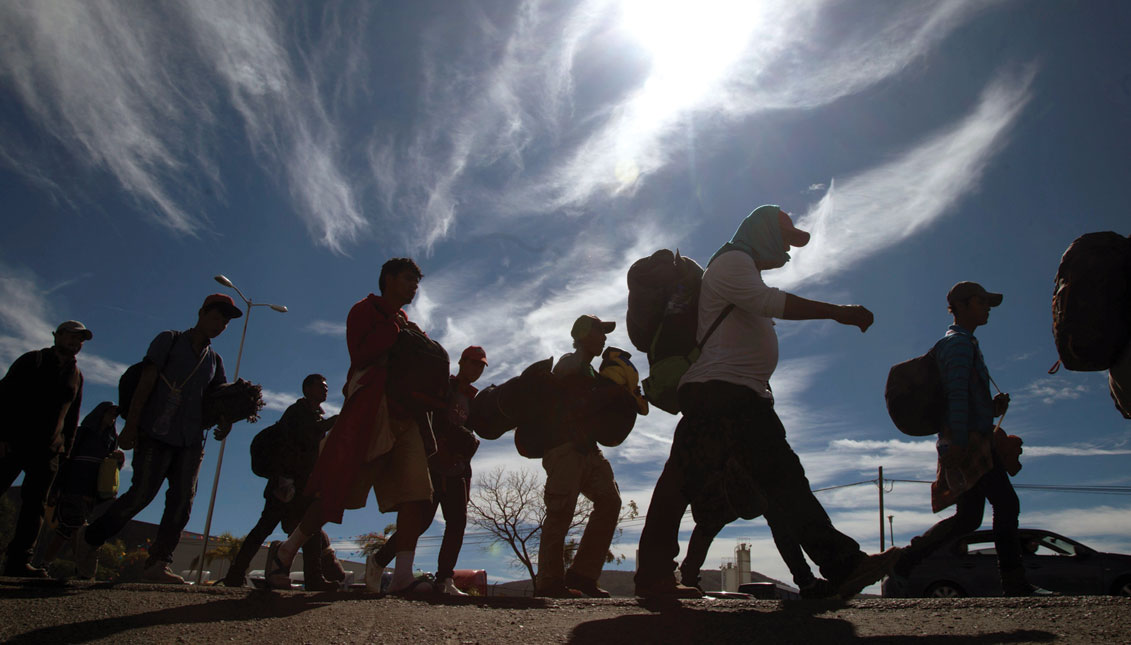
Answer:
(263, 447)
(914, 395)
(1091, 302)
(128, 382)
(663, 308)
(418, 371)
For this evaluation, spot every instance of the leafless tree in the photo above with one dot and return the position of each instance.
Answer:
(509, 505)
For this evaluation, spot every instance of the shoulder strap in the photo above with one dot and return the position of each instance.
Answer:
(715, 325)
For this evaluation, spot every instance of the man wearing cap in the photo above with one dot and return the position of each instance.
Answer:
(970, 470)
(450, 469)
(164, 427)
(41, 395)
(727, 390)
(575, 466)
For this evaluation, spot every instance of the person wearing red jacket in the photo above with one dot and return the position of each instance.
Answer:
(376, 443)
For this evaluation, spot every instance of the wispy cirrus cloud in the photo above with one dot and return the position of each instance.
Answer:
(878, 207)
(118, 93)
(1050, 390)
(27, 321)
(327, 328)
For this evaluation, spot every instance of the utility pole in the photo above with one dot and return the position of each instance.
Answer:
(880, 483)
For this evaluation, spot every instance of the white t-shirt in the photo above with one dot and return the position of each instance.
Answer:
(744, 348)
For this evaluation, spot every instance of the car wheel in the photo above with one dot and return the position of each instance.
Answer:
(945, 590)
(1122, 587)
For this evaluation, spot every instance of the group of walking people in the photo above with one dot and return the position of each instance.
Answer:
(729, 457)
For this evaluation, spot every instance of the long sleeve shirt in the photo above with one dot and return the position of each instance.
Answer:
(966, 383)
(41, 395)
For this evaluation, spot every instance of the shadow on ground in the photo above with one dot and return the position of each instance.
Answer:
(801, 626)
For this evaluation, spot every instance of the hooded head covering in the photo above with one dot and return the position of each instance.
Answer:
(93, 420)
(760, 237)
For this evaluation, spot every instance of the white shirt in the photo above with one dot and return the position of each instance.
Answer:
(744, 348)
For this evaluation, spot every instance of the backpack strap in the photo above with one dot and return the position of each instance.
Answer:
(715, 325)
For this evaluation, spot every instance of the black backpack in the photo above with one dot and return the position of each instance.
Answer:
(418, 371)
(263, 447)
(1091, 302)
(663, 321)
(127, 383)
(914, 395)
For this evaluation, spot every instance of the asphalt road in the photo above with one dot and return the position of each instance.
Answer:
(56, 612)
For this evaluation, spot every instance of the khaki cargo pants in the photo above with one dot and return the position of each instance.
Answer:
(570, 473)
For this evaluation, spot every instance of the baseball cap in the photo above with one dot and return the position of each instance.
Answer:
(965, 290)
(224, 303)
(585, 323)
(76, 327)
(792, 234)
(474, 353)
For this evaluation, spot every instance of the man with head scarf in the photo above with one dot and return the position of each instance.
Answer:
(727, 390)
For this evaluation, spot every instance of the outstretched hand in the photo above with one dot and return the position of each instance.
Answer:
(222, 429)
(854, 315)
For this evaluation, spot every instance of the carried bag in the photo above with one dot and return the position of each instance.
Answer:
(418, 368)
(263, 446)
(1091, 302)
(108, 479)
(914, 395)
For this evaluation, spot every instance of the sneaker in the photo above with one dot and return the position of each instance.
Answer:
(558, 590)
(160, 573)
(449, 588)
(231, 581)
(1014, 584)
(870, 569)
(818, 590)
(585, 585)
(25, 570)
(667, 589)
(420, 587)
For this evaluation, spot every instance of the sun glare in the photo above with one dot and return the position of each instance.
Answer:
(692, 43)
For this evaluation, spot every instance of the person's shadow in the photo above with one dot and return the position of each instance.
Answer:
(794, 623)
(254, 606)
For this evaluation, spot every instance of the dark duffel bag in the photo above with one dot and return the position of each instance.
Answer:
(418, 371)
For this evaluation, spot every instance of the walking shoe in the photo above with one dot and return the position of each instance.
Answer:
(278, 575)
(870, 569)
(160, 573)
(667, 589)
(25, 570)
(559, 590)
(419, 588)
(320, 584)
(449, 588)
(585, 585)
(232, 581)
(818, 589)
(332, 567)
(1014, 583)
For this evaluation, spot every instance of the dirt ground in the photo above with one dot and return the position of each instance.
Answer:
(54, 612)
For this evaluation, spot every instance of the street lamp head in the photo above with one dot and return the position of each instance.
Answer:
(279, 308)
(224, 281)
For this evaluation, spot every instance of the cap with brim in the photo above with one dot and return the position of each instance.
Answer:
(76, 327)
(793, 235)
(474, 353)
(224, 303)
(963, 291)
(586, 323)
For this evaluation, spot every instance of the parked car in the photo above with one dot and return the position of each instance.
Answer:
(967, 566)
(769, 591)
(727, 595)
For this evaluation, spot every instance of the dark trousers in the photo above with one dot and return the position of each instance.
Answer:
(792, 508)
(993, 486)
(702, 536)
(154, 462)
(450, 494)
(289, 514)
(39, 468)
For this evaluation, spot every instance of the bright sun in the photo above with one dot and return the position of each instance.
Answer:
(692, 43)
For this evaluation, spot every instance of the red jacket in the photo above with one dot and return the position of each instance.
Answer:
(369, 335)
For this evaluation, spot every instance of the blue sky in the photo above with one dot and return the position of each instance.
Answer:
(526, 153)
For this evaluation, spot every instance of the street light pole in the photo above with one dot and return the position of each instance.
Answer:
(223, 442)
